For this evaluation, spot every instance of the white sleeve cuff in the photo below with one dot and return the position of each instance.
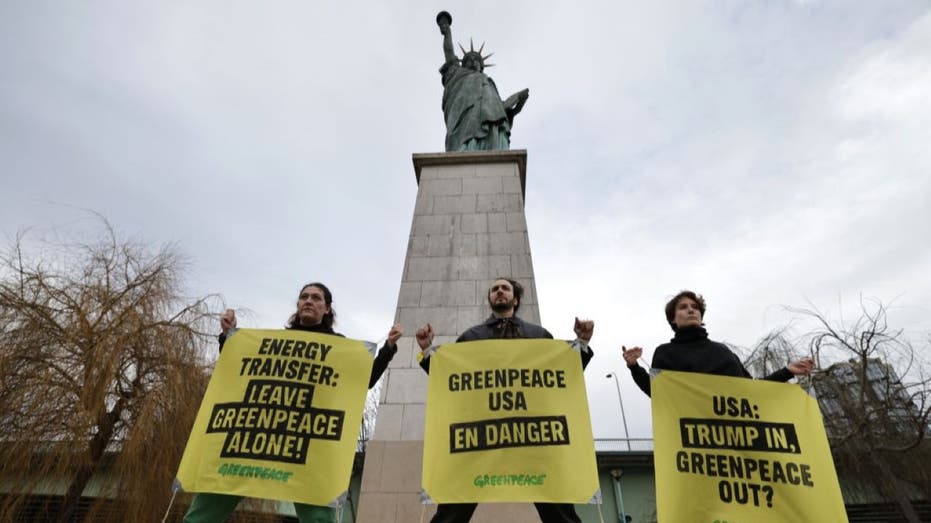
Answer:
(580, 344)
(424, 354)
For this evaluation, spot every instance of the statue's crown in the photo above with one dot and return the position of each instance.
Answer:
(476, 54)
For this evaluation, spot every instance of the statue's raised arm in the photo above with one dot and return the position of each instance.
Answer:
(476, 116)
(443, 19)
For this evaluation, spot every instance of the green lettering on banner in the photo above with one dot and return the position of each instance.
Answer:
(249, 471)
(506, 480)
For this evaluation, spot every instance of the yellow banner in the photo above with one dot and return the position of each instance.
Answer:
(740, 451)
(507, 421)
(280, 417)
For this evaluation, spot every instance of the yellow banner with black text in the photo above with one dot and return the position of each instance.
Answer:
(280, 417)
(739, 450)
(507, 421)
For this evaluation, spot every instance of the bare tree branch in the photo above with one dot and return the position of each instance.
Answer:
(874, 390)
(103, 361)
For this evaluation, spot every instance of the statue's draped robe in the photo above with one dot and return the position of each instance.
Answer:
(471, 106)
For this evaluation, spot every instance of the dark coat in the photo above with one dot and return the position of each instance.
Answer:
(691, 351)
(506, 328)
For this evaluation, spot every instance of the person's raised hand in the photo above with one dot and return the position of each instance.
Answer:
(425, 336)
(227, 321)
(802, 367)
(584, 329)
(394, 335)
(631, 355)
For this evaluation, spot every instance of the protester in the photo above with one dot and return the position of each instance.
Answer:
(690, 350)
(504, 300)
(314, 314)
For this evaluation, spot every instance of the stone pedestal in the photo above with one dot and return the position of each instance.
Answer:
(468, 229)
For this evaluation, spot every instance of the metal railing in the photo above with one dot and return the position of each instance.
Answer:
(623, 444)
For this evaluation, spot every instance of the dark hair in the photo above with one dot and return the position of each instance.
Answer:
(328, 319)
(515, 286)
(671, 306)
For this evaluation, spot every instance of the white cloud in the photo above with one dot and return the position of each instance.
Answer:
(760, 152)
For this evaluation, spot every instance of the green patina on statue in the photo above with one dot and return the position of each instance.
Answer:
(476, 116)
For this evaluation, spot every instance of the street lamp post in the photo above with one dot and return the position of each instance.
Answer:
(620, 400)
(619, 494)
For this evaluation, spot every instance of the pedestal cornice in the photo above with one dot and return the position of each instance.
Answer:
(518, 156)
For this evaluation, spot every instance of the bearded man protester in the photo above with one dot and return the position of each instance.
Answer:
(690, 350)
(504, 299)
(314, 314)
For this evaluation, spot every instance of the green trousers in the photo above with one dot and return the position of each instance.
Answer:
(215, 508)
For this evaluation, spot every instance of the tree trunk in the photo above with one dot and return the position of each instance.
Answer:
(96, 447)
(73, 496)
(890, 481)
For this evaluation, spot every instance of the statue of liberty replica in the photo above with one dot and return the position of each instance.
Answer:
(476, 116)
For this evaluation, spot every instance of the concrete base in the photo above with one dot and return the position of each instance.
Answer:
(391, 489)
(468, 228)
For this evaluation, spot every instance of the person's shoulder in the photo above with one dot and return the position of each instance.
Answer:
(663, 355)
(662, 351)
(473, 329)
(472, 333)
(522, 321)
(532, 330)
(720, 346)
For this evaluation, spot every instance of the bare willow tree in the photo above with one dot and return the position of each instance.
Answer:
(103, 369)
(874, 388)
(770, 354)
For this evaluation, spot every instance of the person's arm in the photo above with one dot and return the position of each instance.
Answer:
(587, 355)
(385, 354)
(638, 373)
(641, 378)
(802, 367)
(584, 329)
(782, 375)
(227, 323)
(424, 339)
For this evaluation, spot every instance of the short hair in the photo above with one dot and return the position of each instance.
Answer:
(328, 319)
(515, 286)
(671, 305)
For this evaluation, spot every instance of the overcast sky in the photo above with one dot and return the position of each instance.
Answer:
(762, 153)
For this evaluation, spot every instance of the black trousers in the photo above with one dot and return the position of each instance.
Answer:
(462, 513)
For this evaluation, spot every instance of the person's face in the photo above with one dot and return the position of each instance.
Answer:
(687, 313)
(501, 296)
(311, 306)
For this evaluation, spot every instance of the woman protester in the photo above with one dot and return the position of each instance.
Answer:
(690, 350)
(314, 314)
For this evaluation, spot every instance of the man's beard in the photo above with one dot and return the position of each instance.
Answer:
(502, 306)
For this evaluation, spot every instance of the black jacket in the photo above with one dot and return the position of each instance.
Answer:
(385, 353)
(507, 328)
(691, 351)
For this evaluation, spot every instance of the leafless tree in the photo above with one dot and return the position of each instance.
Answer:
(874, 389)
(770, 354)
(102, 370)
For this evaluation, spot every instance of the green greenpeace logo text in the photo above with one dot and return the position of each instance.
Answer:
(507, 480)
(248, 471)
